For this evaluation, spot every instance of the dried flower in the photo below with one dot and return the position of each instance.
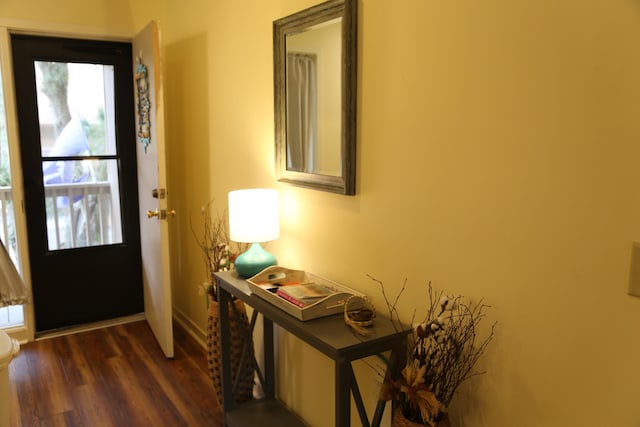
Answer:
(214, 243)
(448, 302)
(440, 357)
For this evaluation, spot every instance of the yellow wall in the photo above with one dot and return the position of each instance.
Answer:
(498, 147)
(116, 15)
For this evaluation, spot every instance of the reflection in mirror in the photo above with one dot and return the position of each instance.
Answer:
(315, 78)
(313, 85)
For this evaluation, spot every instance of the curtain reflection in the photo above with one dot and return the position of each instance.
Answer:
(301, 111)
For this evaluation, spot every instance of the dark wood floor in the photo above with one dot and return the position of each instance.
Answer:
(116, 376)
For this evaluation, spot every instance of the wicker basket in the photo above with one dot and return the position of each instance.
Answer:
(238, 325)
(359, 313)
(400, 421)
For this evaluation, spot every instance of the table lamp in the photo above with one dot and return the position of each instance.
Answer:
(253, 218)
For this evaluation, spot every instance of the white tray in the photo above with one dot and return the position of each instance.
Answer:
(271, 276)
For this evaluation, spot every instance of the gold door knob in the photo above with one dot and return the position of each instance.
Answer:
(161, 214)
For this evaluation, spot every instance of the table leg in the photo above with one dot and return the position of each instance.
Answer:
(343, 394)
(225, 342)
(269, 358)
(396, 358)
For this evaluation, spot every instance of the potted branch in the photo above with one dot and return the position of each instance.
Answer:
(441, 355)
(218, 255)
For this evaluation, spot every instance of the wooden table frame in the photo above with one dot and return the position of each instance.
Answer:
(329, 335)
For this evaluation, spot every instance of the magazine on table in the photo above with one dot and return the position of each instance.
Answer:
(303, 294)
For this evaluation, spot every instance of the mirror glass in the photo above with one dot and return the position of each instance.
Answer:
(313, 84)
(314, 59)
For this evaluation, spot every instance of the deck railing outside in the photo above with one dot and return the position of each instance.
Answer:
(86, 221)
(9, 316)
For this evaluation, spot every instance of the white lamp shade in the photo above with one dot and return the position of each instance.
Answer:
(253, 215)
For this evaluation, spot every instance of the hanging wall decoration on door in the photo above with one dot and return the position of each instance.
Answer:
(143, 104)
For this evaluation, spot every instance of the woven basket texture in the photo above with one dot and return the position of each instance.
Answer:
(239, 324)
(400, 421)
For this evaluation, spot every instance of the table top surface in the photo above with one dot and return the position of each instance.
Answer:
(330, 335)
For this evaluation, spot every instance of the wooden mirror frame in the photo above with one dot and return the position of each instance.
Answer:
(290, 25)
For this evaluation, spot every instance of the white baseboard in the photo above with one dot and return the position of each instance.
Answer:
(196, 332)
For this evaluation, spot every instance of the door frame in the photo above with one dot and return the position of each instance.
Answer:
(26, 332)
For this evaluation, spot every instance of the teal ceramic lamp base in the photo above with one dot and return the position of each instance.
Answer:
(254, 261)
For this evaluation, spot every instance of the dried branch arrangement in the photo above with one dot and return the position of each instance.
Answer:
(444, 349)
(214, 242)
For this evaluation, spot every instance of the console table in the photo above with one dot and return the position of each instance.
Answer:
(329, 335)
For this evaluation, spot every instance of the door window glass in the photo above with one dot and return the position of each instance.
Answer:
(79, 158)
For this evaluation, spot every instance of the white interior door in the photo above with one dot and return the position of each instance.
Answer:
(152, 186)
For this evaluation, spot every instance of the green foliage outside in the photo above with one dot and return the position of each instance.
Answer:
(96, 139)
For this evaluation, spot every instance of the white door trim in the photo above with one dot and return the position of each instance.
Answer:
(26, 333)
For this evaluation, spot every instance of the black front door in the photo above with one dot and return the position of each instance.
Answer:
(76, 123)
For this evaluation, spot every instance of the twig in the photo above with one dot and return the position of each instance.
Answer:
(444, 347)
(392, 308)
(214, 244)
